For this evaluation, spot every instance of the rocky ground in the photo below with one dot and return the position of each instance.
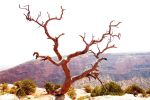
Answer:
(41, 95)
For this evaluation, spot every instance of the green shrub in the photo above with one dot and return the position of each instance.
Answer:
(72, 93)
(88, 88)
(13, 90)
(148, 91)
(50, 87)
(18, 84)
(134, 89)
(4, 88)
(57, 86)
(20, 93)
(96, 91)
(110, 88)
(83, 97)
(28, 86)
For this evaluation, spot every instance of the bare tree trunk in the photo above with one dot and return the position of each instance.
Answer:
(93, 71)
(67, 82)
(60, 97)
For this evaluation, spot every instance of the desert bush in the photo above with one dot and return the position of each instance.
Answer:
(148, 91)
(18, 84)
(110, 88)
(83, 97)
(4, 88)
(51, 88)
(88, 88)
(20, 93)
(28, 86)
(13, 90)
(134, 89)
(96, 91)
(57, 86)
(72, 93)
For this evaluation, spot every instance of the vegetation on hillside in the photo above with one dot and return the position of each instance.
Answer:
(148, 91)
(72, 93)
(88, 88)
(25, 87)
(134, 89)
(106, 39)
(51, 88)
(4, 88)
(110, 88)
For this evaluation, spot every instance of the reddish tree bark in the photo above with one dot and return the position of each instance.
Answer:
(93, 71)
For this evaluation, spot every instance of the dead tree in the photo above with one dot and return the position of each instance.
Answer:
(93, 70)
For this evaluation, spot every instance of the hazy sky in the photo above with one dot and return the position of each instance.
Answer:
(20, 38)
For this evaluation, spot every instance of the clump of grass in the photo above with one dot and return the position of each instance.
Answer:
(24, 87)
(110, 88)
(83, 97)
(13, 90)
(4, 88)
(96, 91)
(51, 87)
(20, 93)
(134, 89)
(88, 88)
(72, 93)
(148, 91)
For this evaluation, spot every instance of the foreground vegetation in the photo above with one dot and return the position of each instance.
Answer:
(110, 88)
(20, 88)
(28, 87)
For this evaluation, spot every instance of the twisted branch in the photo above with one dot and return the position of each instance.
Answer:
(36, 54)
(93, 71)
(97, 41)
(87, 72)
(44, 26)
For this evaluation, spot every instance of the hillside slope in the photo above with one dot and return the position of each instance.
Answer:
(119, 67)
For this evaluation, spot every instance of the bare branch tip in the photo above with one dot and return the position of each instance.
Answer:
(112, 22)
(19, 6)
(36, 54)
(62, 8)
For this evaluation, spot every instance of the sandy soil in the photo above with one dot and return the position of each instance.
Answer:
(40, 94)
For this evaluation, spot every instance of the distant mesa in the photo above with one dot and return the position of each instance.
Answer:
(125, 68)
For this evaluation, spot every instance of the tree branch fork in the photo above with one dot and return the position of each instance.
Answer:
(93, 71)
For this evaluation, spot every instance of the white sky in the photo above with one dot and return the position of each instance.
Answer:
(19, 38)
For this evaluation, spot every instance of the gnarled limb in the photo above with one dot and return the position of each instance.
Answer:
(55, 18)
(97, 41)
(36, 54)
(93, 71)
(87, 72)
(44, 26)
